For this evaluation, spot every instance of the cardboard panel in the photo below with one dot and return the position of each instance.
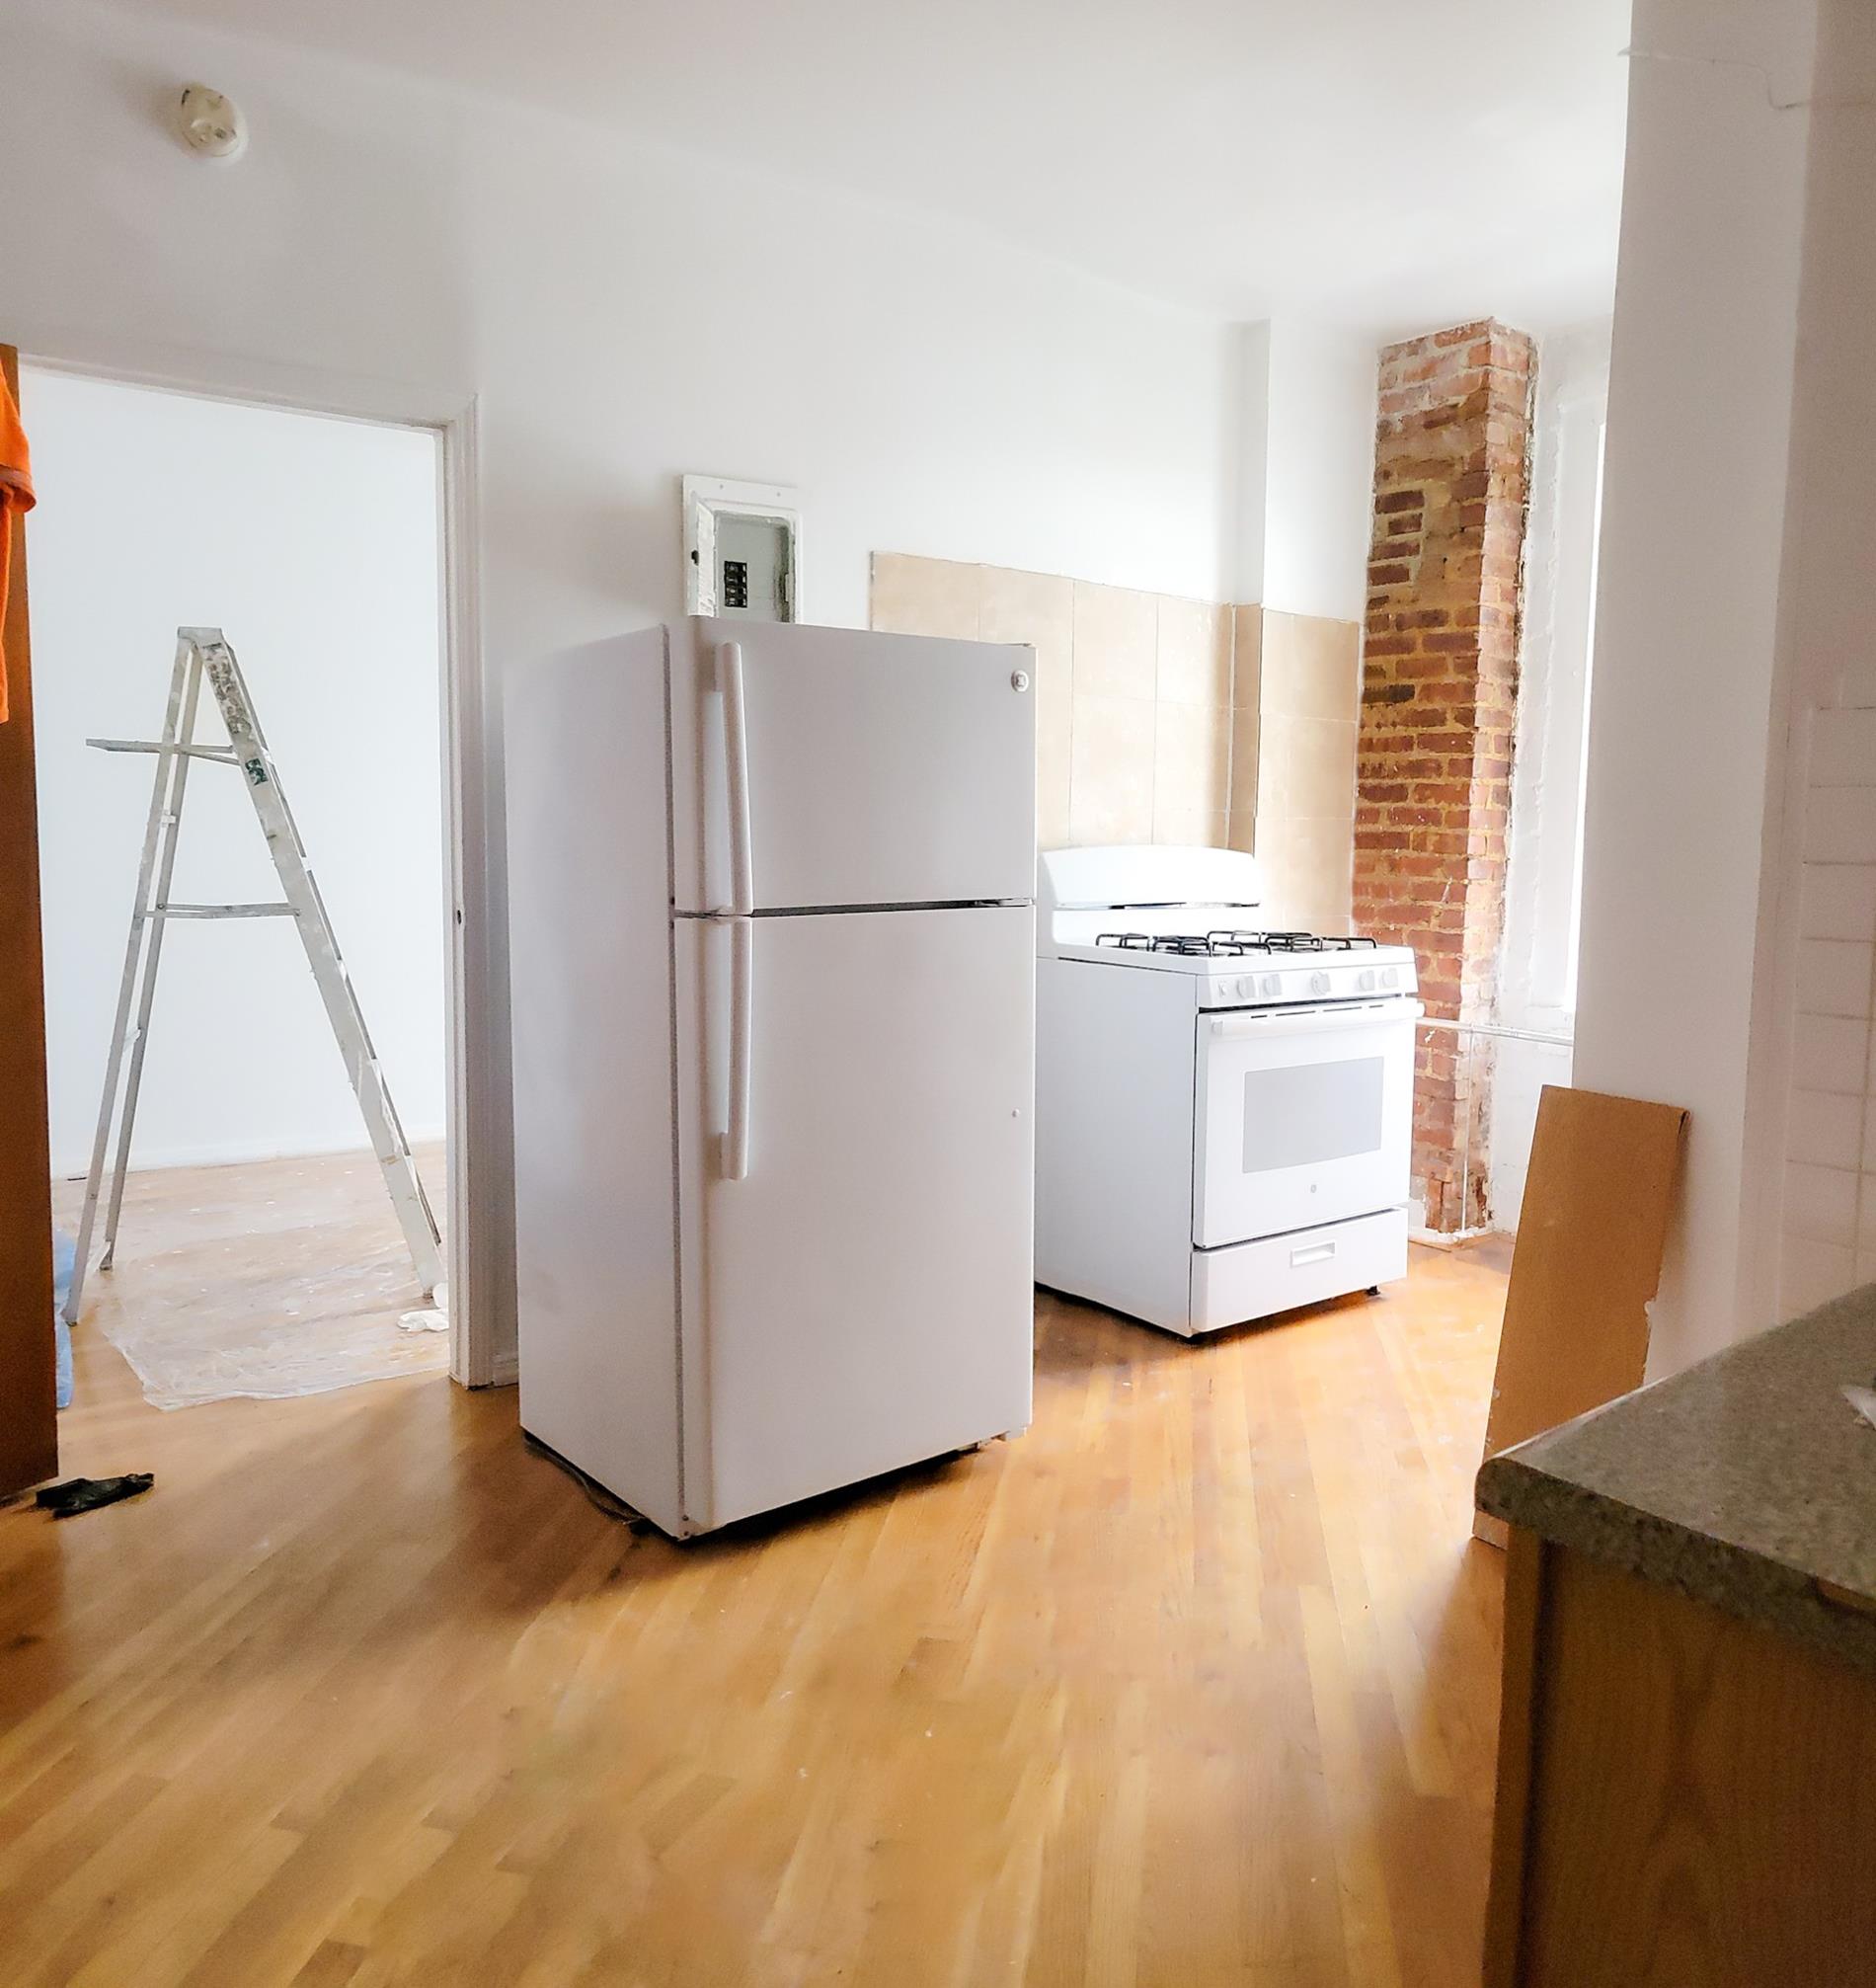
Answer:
(1586, 1263)
(29, 1438)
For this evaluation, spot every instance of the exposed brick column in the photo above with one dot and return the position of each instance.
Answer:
(1439, 694)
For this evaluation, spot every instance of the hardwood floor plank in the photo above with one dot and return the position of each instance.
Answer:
(1192, 1684)
(332, 1964)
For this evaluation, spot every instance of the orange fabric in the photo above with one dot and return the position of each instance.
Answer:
(15, 497)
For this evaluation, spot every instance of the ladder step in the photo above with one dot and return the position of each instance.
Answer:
(222, 912)
(219, 753)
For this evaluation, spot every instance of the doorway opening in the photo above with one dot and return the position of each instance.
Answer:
(258, 1251)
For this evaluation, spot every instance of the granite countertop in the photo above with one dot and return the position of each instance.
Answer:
(1746, 1481)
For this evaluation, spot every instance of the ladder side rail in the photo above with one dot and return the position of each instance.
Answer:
(415, 1215)
(300, 887)
(152, 956)
(132, 956)
(372, 1070)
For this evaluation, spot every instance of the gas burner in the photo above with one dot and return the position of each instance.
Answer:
(1229, 945)
(1286, 942)
(1186, 943)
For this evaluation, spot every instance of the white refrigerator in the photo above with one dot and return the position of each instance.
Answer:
(771, 980)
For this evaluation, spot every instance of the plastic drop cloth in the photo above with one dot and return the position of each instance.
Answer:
(318, 1336)
(295, 1287)
(64, 1259)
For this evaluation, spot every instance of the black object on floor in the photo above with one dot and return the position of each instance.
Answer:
(86, 1494)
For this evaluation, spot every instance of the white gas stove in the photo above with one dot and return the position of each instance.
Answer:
(1224, 1113)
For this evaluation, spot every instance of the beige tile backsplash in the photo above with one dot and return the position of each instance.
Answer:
(1245, 739)
(1192, 763)
(1310, 668)
(1247, 656)
(1038, 609)
(1308, 765)
(1112, 769)
(1194, 653)
(1167, 720)
(1309, 696)
(925, 597)
(1117, 652)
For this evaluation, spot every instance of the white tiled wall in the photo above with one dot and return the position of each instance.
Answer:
(1828, 1241)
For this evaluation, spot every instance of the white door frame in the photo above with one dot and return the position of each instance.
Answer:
(453, 415)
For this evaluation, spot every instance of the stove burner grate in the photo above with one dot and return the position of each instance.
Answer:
(1290, 942)
(1230, 944)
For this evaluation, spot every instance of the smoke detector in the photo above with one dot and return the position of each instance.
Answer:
(209, 124)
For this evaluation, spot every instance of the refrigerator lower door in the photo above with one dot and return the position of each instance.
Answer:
(831, 766)
(855, 1162)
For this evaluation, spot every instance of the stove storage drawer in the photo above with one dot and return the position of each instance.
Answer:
(1252, 1280)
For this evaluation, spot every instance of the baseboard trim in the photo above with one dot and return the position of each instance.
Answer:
(178, 1159)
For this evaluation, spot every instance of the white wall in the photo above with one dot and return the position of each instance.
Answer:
(1699, 433)
(313, 543)
(622, 314)
(1306, 468)
(1320, 473)
(1811, 1147)
(1251, 344)
(1537, 990)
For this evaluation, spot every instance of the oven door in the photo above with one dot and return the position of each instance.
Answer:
(1304, 1116)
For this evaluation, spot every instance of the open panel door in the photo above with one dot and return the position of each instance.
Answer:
(28, 1429)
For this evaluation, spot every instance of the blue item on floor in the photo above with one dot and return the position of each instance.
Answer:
(64, 1263)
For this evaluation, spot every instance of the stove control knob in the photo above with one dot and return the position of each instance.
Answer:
(1319, 983)
(1390, 977)
(1366, 982)
(1272, 985)
(1244, 984)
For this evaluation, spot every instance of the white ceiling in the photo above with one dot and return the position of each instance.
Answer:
(1388, 163)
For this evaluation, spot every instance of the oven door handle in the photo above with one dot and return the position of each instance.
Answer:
(1316, 1020)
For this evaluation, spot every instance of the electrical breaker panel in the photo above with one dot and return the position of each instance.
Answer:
(741, 549)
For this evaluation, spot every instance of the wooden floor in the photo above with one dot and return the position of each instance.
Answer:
(1194, 1683)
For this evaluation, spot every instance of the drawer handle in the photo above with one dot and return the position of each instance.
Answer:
(1318, 1253)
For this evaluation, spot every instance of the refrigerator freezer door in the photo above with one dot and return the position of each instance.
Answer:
(881, 769)
(860, 1298)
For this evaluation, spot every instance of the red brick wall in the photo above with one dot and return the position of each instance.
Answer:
(1438, 695)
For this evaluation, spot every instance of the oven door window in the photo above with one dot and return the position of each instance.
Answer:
(1306, 1114)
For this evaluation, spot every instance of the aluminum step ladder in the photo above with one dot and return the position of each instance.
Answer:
(204, 653)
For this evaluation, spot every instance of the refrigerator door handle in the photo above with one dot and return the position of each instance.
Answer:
(732, 1150)
(736, 770)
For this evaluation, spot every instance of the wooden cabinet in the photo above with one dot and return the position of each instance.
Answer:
(1685, 1799)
